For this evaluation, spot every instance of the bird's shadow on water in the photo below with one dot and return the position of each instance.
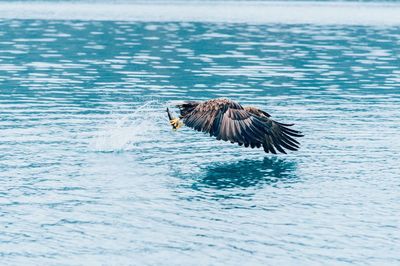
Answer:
(247, 173)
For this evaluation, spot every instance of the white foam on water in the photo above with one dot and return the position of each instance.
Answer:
(292, 12)
(126, 131)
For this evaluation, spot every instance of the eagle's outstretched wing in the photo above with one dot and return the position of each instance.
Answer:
(249, 126)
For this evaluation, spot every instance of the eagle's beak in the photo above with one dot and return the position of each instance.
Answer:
(175, 122)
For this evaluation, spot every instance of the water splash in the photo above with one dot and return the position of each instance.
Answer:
(126, 131)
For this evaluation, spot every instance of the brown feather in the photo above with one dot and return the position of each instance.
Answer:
(249, 126)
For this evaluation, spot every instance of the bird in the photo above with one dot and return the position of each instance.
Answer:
(247, 126)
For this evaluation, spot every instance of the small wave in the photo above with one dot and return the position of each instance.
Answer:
(126, 131)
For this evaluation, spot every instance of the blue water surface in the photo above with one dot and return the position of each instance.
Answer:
(92, 174)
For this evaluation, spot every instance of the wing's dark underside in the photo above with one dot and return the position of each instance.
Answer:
(248, 126)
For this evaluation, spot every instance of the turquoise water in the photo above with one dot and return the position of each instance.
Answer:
(92, 174)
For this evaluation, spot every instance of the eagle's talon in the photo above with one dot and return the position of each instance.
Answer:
(175, 123)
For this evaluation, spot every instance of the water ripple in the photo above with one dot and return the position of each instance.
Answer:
(91, 172)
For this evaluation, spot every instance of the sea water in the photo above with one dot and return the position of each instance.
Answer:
(92, 174)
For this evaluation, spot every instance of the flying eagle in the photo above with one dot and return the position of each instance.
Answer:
(229, 121)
